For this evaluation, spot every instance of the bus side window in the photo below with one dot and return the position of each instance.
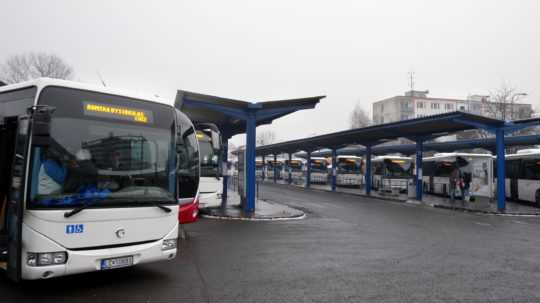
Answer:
(531, 169)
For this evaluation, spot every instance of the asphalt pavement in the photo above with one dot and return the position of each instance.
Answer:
(347, 249)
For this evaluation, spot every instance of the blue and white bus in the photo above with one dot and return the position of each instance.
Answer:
(92, 178)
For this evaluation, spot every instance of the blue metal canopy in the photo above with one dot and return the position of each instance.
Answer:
(418, 130)
(235, 117)
(230, 114)
(409, 149)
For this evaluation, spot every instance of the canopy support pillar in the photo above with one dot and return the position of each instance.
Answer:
(418, 176)
(225, 172)
(367, 176)
(334, 169)
(250, 162)
(289, 169)
(308, 170)
(501, 190)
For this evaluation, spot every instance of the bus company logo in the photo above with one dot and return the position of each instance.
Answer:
(120, 233)
(74, 229)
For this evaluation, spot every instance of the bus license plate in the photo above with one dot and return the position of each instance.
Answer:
(116, 262)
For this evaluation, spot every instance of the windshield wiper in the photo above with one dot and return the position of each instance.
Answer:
(158, 205)
(77, 210)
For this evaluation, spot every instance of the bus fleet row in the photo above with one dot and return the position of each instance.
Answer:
(391, 173)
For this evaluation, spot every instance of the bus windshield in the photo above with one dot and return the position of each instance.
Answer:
(209, 156)
(318, 165)
(105, 150)
(348, 166)
(295, 165)
(398, 168)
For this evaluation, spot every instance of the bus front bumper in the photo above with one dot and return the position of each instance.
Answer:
(80, 261)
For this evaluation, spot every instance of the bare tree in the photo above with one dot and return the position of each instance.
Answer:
(29, 66)
(502, 104)
(265, 137)
(359, 117)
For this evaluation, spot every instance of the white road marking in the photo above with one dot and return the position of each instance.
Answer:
(482, 224)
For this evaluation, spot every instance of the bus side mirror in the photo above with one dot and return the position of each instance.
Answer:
(41, 124)
(216, 140)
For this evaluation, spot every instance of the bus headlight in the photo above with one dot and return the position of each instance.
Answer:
(168, 244)
(44, 259)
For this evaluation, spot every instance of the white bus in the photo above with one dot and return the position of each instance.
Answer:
(89, 178)
(349, 171)
(319, 170)
(211, 181)
(274, 166)
(523, 176)
(296, 168)
(391, 173)
(437, 170)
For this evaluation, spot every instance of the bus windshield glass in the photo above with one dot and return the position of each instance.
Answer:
(348, 166)
(209, 156)
(295, 165)
(398, 168)
(104, 151)
(318, 165)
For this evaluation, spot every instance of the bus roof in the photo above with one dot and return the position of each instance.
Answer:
(348, 157)
(524, 153)
(41, 83)
(391, 158)
(451, 155)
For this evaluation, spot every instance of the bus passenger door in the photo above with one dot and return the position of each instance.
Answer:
(15, 200)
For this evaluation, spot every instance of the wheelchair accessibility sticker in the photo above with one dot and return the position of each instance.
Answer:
(74, 229)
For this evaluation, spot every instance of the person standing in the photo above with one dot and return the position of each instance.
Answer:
(454, 181)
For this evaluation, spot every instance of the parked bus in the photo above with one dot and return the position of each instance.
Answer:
(296, 169)
(437, 170)
(91, 178)
(349, 171)
(274, 166)
(523, 176)
(391, 173)
(319, 170)
(211, 184)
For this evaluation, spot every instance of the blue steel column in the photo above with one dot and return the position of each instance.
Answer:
(263, 168)
(225, 169)
(275, 168)
(250, 162)
(308, 170)
(334, 169)
(367, 176)
(289, 168)
(419, 182)
(501, 190)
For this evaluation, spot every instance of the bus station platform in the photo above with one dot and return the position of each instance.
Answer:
(482, 205)
(264, 210)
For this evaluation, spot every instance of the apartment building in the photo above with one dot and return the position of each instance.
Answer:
(417, 104)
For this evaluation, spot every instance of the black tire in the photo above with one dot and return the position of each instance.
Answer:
(537, 196)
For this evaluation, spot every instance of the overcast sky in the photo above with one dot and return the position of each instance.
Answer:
(351, 51)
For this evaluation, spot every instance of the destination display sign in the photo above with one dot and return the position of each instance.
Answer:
(118, 112)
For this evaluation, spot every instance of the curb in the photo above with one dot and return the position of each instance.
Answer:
(300, 217)
(484, 212)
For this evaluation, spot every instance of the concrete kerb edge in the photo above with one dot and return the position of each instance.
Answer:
(300, 217)
(483, 212)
